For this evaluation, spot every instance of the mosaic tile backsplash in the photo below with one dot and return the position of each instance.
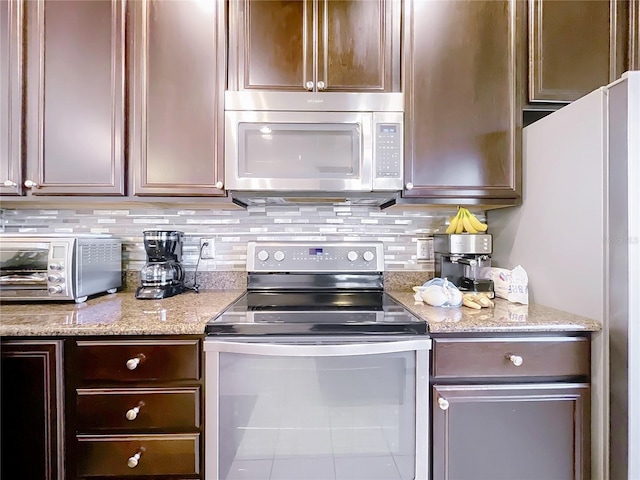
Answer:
(397, 227)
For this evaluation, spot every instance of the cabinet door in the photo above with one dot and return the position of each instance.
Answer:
(462, 115)
(575, 46)
(32, 410)
(11, 97)
(634, 35)
(75, 97)
(359, 47)
(271, 44)
(504, 432)
(177, 78)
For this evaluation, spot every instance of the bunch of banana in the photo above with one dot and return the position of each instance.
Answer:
(476, 300)
(465, 221)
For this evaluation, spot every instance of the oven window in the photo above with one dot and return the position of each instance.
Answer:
(328, 418)
(24, 268)
(299, 151)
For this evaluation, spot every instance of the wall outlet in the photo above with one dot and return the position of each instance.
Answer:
(424, 249)
(207, 249)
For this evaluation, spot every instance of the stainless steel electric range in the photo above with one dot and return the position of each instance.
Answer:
(316, 372)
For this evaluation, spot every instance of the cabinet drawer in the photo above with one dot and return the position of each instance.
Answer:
(135, 361)
(490, 357)
(138, 408)
(158, 455)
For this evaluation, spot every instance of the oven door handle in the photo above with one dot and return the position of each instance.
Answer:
(317, 349)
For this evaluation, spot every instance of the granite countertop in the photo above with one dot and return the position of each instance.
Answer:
(117, 314)
(186, 314)
(505, 317)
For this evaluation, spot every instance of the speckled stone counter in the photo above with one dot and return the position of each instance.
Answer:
(117, 314)
(187, 314)
(504, 317)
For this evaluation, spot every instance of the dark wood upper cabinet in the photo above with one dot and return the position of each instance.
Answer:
(176, 74)
(75, 97)
(634, 35)
(576, 46)
(314, 45)
(32, 409)
(11, 84)
(462, 101)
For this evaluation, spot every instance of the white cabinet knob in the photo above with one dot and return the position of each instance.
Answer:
(409, 186)
(133, 413)
(443, 403)
(132, 462)
(219, 185)
(133, 363)
(31, 184)
(309, 85)
(321, 85)
(515, 359)
(10, 183)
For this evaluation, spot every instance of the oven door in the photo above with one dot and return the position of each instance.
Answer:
(342, 408)
(24, 268)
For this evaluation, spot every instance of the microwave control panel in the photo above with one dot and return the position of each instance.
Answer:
(388, 150)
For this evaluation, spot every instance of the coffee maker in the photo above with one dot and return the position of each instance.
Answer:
(460, 257)
(162, 276)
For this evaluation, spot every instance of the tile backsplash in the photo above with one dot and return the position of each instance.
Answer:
(398, 227)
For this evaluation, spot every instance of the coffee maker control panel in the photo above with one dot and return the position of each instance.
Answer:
(463, 244)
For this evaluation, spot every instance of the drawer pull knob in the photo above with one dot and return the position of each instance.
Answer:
(133, 413)
(443, 403)
(515, 359)
(132, 462)
(133, 363)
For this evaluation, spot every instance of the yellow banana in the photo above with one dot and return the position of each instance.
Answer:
(467, 223)
(453, 223)
(460, 224)
(477, 224)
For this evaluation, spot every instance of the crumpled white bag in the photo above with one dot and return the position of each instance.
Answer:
(438, 292)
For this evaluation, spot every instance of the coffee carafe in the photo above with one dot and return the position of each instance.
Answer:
(460, 259)
(162, 276)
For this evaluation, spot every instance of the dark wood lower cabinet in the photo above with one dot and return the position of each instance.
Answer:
(507, 432)
(31, 383)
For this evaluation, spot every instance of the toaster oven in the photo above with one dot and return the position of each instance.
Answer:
(58, 266)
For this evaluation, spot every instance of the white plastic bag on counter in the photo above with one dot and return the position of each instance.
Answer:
(439, 292)
(512, 285)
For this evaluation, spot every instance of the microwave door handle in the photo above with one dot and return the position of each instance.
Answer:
(317, 349)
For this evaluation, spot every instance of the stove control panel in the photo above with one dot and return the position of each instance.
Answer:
(315, 257)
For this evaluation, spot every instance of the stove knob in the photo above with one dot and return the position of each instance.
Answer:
(278, 256)
(368, 256)
(263, 255)
(352, 256)
(55, 289)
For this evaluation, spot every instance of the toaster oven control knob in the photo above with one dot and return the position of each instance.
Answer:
(263, 255)
(278, 256)
(55, 278)
(55, 266)
(352, 256)
(53, 289)
(368, 256)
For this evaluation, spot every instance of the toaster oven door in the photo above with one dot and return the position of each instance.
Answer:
(24, 268)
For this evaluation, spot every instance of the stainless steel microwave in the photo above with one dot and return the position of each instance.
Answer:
(313, 142)
(58, 266)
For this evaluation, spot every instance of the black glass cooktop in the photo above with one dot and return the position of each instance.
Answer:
(321, 313)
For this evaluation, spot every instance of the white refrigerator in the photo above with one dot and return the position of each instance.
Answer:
(577, 234)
